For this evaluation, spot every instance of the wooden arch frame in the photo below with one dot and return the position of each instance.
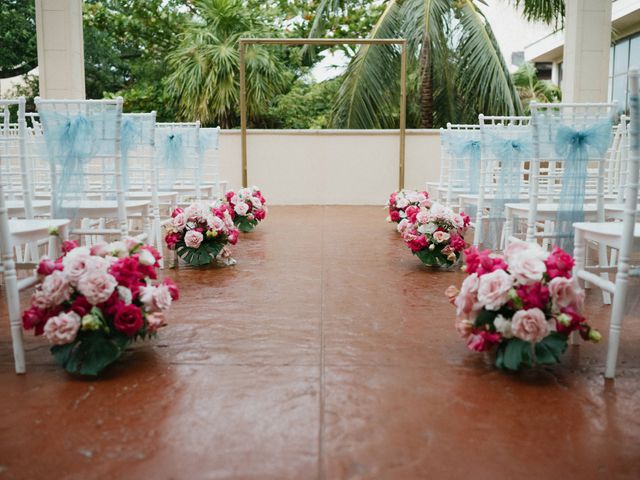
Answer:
(331, 42)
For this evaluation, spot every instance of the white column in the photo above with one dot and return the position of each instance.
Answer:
(60, 48)
(586, 50)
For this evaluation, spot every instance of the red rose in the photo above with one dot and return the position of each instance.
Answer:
(176, 212)
(418, 244)
(535, 295)
(173, 288)
(412, 211)
(559, 263)
(260, 214)
(395, 216)
(48, 266)
(128, 320)
(233, 237)
(127, 273)
(34, 318)
(68, 245)
(81, 305)
(457, 243)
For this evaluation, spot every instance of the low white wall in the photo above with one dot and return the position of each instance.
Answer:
(329, 167)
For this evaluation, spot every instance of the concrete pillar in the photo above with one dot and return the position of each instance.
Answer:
(60, 48)
(586, 50)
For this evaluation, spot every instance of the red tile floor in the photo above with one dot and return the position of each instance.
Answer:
(328, 351)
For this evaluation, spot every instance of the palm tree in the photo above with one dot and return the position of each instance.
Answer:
(455, 65)
(205, 75)
(530, 88)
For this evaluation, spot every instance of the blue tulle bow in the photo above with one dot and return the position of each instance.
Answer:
(576, 148)
(463, 148)
(131, 132)
(511, 153)
(71, 143)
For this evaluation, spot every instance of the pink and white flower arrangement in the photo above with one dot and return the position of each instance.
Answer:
(523, 304)
(91, 303)
(247, 208)
(435, 234)
(200, 233)
(406, 203)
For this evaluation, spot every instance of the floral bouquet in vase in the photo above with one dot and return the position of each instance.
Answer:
(406, 202)
(92, 303)
(435, 235)
(199, 234)
(523, 304)
(247, 207)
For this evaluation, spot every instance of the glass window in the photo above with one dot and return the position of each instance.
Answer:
(620, 91)
(621, 57)
(634, 52)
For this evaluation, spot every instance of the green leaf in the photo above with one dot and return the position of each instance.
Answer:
(244, 224)
(550, 349)
(90, 353)
(516, 353)
(485, 317)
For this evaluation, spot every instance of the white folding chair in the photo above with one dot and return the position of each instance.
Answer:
(570, 142)
(623, 236)
(19, 232)
(83, 148)
(506, 147)
(462, 156)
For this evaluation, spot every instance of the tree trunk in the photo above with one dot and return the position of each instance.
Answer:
(426, 86)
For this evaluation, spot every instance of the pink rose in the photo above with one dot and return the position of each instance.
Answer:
(99, 249)
(179, 221)
(527, 267)
(63, 328)
(54, 290)
(171, 239)
(241, 209)
(394, 216)
(514, 248)
(155, 321)
(177, 211)
(260, 214)
(559, 263)
(493, 290)
(565, 292)
(97, 286)
(69, 245)
(482, 340)
(155, 298)
(457, 243)
(130, 243)
(193, 239)
(530, 325)
(482, 262)
(412, 211)
(441, 237)
(233, 236)
(466, 301)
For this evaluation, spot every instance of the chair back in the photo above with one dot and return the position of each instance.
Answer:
(178, 156)
(462, 151)
(570, 142)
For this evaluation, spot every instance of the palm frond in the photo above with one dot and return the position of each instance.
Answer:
(550, 12)
(484, 76)
(369, 96)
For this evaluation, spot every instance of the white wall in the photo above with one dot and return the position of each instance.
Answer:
(331, 167)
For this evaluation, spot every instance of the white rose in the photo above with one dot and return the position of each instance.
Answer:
(118, 249)
(255, 201)
(146, 257)
(441, 237)
(125, 295)
(402, 203)
(503, 326)
(427, 228)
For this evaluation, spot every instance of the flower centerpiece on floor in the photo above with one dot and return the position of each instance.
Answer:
(247, 207)
(435, 234)
(200, 233)
(92, 303)
(523, 304)
(405, 203)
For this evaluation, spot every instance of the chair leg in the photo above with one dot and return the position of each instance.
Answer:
(13, 304)
(615, 327)
(602, 261)
(579, 253)
(507, 229)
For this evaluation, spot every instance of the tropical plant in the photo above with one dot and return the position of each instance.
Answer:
(455, 67)
(204, 67)
(530, 88)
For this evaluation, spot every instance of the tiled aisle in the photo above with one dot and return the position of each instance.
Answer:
(327, 352)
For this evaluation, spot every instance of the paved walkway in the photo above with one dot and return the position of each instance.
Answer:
(327, 352)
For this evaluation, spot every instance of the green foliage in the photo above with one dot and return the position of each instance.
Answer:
(203, 255)
(306, 105)
(514, 354)
(18, 50)
(530, 88)
(91, 352)
(548, 11)
(244, 224)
